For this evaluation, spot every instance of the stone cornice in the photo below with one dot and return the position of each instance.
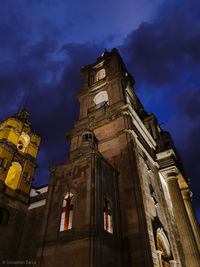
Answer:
(9, 146)
(186, 193)
(165, 154)
(168, 172)
(140, 126)
(141, 146)
(113, 112)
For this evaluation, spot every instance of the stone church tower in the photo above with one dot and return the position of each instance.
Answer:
(122, 198)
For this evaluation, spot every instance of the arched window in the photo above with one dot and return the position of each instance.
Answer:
(101, 97)
(100, 75)
(163, 246)
(87, 137)
(67, 212)
(13, 176)
(23, 142)
(108, 225)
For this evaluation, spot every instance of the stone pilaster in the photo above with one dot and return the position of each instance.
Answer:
(159, 255)
(191, 214)
(192, 257)
(173, 263)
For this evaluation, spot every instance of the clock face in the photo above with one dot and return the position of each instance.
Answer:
(23, 142)
(101, 97)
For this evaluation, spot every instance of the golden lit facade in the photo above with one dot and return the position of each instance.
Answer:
(18, 151)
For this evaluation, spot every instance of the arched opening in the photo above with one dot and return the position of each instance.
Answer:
(67, 212)
(13, 176)
(162, 243)
(108, 224)
(87, 137)
(163, 246)
(101, 97)
(23, 142)
(100, 75)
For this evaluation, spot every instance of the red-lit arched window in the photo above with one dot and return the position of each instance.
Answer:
(108, 225)
(67, 212)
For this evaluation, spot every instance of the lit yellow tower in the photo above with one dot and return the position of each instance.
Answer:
(19, 146)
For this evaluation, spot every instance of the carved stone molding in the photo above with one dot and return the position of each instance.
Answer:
(170, 172)
(186, 194)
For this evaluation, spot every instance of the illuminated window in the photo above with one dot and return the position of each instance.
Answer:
(100, 75)
(13, 176)
(101, 97)
(163, 246)
(23, 142)
(67, 212)
(108, 226)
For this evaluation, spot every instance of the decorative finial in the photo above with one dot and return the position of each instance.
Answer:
(22, 114)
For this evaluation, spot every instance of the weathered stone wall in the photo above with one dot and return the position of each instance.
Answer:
(11, 230)
(89, 178)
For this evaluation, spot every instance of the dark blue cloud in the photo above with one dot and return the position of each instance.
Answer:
(185, 128)
(42, 73)
(160, 52)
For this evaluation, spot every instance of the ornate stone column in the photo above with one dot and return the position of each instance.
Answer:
(190, 249)
(191, 214)
(159, 255)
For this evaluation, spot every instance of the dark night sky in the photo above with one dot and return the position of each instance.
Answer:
(44, 43)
